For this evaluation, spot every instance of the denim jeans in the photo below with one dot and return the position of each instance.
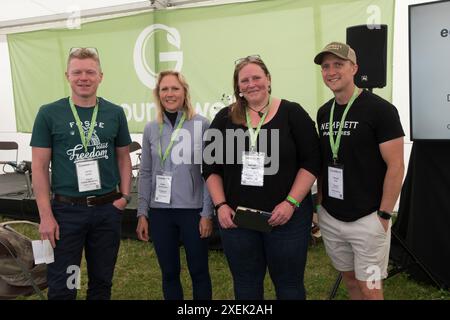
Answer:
(283, 251)
(167, 228)
(96, 229)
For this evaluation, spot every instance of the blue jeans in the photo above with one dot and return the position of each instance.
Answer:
(97, 230)
(167, 228)
(283, 251)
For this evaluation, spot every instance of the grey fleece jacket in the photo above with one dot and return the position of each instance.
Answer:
(183, 163)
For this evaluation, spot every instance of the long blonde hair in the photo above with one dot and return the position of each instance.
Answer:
(238, 108)
(187, 105)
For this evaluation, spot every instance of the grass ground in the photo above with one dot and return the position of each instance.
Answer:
(137, 277)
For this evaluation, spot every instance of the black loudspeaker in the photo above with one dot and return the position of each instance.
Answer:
(370, 45)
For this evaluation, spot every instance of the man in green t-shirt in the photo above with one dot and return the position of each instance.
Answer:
(85, 138)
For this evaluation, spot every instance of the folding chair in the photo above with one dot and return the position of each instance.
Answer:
(23, 167)
(12, 146)
(135, 146)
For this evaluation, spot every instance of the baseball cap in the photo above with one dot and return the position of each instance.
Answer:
(342, 50)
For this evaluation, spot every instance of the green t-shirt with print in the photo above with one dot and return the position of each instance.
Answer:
(55, 128)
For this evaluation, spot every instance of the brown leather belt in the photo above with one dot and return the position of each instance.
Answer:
(89, 201)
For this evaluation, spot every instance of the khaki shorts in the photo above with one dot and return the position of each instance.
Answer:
(361, 246)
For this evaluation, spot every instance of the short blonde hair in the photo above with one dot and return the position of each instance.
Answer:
(187, 105)
(84, 53)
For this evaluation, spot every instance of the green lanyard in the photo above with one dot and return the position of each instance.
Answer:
(335, 145)
(84, 141)
(172, 139)
(254, 133)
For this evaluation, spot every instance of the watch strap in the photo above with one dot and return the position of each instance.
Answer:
(127, 197)
(384, 215)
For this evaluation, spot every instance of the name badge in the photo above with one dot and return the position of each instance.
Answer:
(88, 175)
(336, 181)
(253, 169)
(163, 188)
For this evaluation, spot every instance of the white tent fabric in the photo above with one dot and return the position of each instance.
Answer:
(17, 14)
(23, 9)
(20, 13)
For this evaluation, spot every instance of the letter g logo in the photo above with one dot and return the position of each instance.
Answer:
(143, 70)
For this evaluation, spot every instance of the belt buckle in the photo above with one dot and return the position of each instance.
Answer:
(88, 199)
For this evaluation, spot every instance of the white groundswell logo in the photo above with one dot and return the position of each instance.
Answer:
(143, 70)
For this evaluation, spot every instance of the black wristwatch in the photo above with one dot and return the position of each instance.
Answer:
(384, 215)
(127, 197)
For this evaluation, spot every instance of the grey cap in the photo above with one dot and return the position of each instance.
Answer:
(342, 50)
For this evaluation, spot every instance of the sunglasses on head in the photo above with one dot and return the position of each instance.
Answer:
(253, 57)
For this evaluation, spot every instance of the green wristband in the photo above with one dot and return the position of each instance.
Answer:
(293, 201)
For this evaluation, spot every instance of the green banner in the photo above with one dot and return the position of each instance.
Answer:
(203, 44)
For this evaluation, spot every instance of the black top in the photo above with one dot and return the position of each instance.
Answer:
(292, 143)
(172, 116)
(370, 121)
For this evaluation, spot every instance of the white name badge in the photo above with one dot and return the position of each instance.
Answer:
(163, 188)
(88, 175)
(336, 182)
(253, 169)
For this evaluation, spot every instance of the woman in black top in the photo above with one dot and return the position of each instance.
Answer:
(270, 167)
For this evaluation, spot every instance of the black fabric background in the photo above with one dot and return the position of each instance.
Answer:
(423, 221)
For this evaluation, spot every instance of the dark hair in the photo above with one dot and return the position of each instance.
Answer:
(238, 108)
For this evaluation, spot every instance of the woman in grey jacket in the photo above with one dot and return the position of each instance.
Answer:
(173, 199)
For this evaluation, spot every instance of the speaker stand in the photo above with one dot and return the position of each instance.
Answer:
(416, 260)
